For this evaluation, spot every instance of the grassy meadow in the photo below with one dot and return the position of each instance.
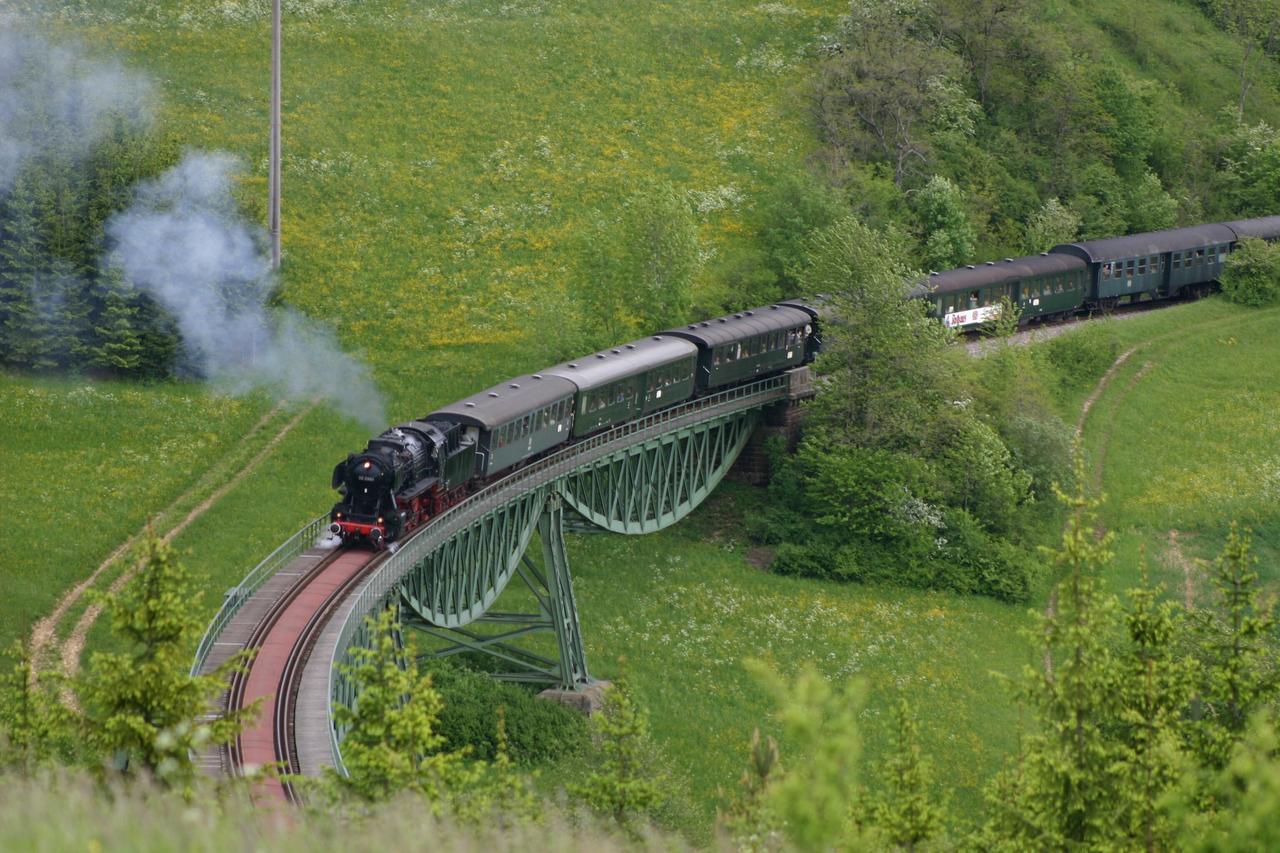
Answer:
(88, 463)
(441, 161)
(1185, 440)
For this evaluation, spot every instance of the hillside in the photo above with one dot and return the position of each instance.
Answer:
(443, 162)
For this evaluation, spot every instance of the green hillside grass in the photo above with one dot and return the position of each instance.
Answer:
(1185, 441)
(87, 465)
(441, 160)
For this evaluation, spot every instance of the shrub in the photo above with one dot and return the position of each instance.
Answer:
(808, 560)
(537, 730)
(1252, 273)
(1080, 357)
(971, 560)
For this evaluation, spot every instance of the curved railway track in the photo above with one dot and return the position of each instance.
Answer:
(282, 640)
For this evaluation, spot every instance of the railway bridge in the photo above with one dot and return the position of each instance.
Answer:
(303, 608)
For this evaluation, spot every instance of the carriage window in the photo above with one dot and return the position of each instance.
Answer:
(1142, 266)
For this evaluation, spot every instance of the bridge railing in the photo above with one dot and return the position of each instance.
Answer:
(235, 597)
(384, 579)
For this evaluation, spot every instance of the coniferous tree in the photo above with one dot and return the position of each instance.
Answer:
(117, 344)
(21, 265)
(1155, 683)
(625, 785)
(34, 726)
(1066, 789)
(904, 813)
(817, 799)
(392, 743)
(59, 318)
(144, 711)
(1236, 638)
(748, 818)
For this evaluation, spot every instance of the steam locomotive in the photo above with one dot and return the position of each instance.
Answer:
(416, 470)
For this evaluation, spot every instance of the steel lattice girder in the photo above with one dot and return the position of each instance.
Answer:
(653, 485)
(552, 588)
(456, 583)
(639, 489)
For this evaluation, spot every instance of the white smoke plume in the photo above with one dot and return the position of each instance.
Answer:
(57, 95)
(183, 243)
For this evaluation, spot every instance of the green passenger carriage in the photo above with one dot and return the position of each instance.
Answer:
(1158, 264)
(742, 346)
(514, 420)
(628, 381)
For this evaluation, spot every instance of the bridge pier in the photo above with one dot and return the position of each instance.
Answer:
(782, 420)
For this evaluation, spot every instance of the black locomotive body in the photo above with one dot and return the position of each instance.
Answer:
(403, 477)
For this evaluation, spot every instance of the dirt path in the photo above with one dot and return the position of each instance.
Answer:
(1175, 558)
(1100, 387)
(73, 647)
(1103, 383)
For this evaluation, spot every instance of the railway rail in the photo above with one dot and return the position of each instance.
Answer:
(279, 620)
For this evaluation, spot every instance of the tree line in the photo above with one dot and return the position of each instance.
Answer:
(63, 306)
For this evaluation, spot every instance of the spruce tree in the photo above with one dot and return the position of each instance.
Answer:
(1154, 686)
(146, 714)
(625, 785)
(392, 743)
(21, 265)
(1066, 790)
(904, 813)
(1236, 639)
(35, 727)
(117, 346)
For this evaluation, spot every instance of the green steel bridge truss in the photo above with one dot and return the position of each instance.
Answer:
(638, 478)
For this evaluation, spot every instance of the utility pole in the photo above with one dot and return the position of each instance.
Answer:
(275, 135)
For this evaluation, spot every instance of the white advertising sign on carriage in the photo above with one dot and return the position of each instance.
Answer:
(972, 317)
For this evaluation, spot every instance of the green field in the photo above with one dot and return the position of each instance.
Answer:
(441, 161)
(1185, 440)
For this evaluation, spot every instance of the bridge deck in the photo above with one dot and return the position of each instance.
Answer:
(235, 636)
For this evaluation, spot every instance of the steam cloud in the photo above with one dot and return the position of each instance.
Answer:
(183, 243)
(44, 86)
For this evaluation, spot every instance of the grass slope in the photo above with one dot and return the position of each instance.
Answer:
(86, 465)
(1185, 440)
(441, 160)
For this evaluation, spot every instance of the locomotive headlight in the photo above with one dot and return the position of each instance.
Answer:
(379, 519)
(337, 515)
(368, 464)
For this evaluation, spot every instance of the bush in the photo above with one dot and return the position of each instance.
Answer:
(1080, 357)
(810, 560)
(1252, 273)
(971, 560)
(537, 730)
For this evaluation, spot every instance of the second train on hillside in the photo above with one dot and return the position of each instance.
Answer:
(418, 469)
